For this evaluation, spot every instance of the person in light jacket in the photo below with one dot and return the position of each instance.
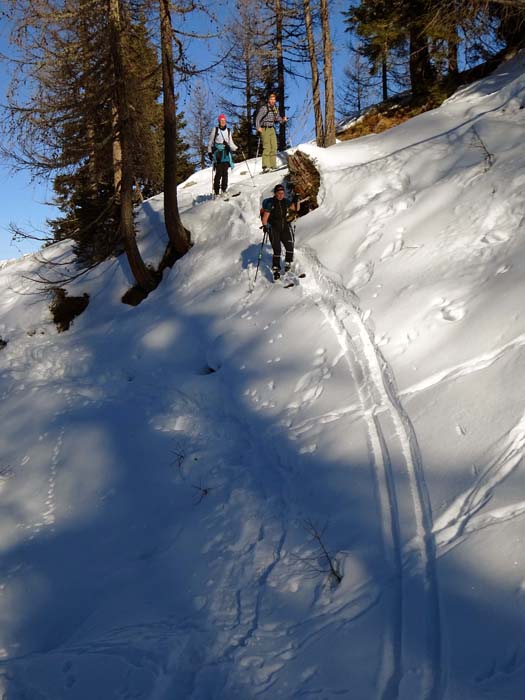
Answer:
(220, 148)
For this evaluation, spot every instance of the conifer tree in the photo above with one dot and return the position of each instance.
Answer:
(378, 24)
(177, 234)
(314, 72)
(324, 125)
(124, 123)
(68, 76)
(200, 111)
(358, 85)
(329, 111)
(244, 76)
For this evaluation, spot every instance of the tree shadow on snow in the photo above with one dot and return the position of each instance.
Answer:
(176, 552)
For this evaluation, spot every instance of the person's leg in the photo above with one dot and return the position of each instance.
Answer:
(217, 178)
(266, 137)
(224, 176)
(275, 240)
(288, 242)
(272, 148)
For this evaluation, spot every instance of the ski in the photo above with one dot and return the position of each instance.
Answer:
(291, 279)
(275, 170)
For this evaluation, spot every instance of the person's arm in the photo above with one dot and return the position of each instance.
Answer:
(231, 143)
(211, 142)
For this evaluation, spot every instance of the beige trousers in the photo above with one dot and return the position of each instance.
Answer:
(269, 146)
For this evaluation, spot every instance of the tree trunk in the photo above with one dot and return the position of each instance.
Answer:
(90, 121)
(139, 270)
(384, 73)
(452, 51)
(329, 114)
(420, 66)
(117, 154)
(250, 137)
(281, 143)
(316, 94)
(176, 232)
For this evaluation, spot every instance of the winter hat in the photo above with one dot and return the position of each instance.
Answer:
(221, 116)
(278, 188)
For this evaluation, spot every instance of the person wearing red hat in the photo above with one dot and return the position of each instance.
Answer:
(220, 148)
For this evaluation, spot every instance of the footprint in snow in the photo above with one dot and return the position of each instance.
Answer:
(494, 238)
(371, 238)
(308, 449)
(311, 385)
(452, 311)
(393, 248)
(403, 204)
(381, 340)
(361, 275)
(258, 401)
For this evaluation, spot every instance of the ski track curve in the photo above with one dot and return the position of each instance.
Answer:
(458, 520)
(449, 374)
(414, 625)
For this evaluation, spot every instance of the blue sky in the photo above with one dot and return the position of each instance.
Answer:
(27, 203)
(23, 201)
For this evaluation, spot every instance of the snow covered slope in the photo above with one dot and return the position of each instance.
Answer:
(163, 468)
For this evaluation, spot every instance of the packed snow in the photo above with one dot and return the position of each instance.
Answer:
(169, 473)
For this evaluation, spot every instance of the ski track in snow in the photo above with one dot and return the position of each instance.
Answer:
(458, 520)
(400, 676)
(475, 364)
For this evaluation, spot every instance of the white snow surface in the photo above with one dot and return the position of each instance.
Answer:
(159, 465)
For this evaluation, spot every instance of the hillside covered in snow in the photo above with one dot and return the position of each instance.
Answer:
(170, 473)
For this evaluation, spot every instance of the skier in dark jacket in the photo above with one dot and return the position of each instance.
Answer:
(276, 221)
(265, 120)
(220, 147)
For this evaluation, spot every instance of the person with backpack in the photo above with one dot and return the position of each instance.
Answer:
(265, 120)
(275, 216)
(220, 147)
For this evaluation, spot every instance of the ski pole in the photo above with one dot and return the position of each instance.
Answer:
(246, 162)
(212, 177)
(258, 146)
(265, 234)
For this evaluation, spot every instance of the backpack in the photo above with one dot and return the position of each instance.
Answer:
(255, 112)
(265, 202)
(291, 215)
